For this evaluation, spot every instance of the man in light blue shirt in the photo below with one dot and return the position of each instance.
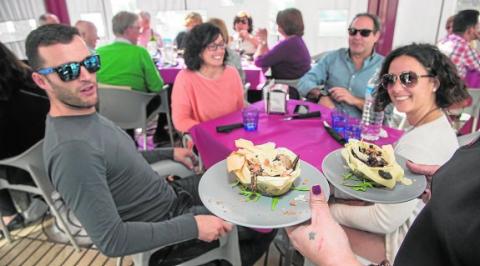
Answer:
(345, 72)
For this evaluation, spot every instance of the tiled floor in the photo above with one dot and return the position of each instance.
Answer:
(30, 246)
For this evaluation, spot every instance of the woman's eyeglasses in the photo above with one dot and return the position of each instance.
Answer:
(363, 32)
(213, 46)
(408, 79)
(71, 71)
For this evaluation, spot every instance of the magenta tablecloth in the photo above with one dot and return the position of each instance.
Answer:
(253, 74)
(305, 137)
(472, 79)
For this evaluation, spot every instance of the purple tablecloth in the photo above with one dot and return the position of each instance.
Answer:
(253, 74)
(472, 79)
(305, 137)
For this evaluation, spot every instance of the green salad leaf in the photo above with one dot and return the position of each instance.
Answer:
(356, 183)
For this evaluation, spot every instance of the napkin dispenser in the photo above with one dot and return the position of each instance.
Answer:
(276, 98)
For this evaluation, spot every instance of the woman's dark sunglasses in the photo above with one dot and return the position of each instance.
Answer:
(408, 79)
(71, 71)
(363, 32)
(243, 21)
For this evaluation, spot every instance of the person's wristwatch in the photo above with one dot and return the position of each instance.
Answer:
(314, 96)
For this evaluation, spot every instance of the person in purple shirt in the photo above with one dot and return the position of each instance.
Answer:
(288, 59)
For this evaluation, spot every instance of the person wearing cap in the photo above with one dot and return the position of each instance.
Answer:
(191, 20)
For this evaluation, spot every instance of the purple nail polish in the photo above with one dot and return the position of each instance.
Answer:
(316, 190)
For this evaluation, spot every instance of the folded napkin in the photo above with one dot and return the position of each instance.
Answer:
(229, 128)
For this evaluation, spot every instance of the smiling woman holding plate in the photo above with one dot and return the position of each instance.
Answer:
(419, 81)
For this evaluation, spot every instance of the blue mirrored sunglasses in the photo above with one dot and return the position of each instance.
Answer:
(71, 71)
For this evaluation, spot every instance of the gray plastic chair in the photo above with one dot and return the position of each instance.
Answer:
(32, 162)
(128, 108)
(290, 82)
(228, 250)
(469, 138)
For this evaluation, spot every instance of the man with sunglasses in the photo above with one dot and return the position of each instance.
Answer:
(123, 204)
(465, 28)
(344, 73)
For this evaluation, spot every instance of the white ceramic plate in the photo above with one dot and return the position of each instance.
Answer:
(223, 200)
(334, 167)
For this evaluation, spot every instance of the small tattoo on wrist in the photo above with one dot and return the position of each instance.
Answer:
(311, 235)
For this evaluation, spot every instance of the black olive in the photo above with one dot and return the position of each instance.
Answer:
(384, 174)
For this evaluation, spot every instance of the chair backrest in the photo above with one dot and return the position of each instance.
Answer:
(290, 82)
(32, 161)
(126, 108)
(467, 139)
(103, 85)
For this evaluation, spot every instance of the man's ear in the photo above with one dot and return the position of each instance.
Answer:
(40, 81)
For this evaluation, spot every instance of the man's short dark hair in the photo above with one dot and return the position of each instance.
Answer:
(47, 35)
(291, 21)
(196, 42)
(464, 19)
(376, 21)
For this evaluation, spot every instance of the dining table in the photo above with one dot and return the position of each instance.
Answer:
(253, 74)
(306, 137)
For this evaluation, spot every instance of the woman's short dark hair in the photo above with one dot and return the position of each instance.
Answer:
(15, 74)
(196, 42)
(291, 21)
(241, 16)
(450, 87)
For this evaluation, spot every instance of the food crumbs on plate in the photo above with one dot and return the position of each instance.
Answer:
(301, 197)
(289, 212)
(305, 181)
(293, 202)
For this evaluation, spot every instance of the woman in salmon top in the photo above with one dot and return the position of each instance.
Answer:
(208, 88)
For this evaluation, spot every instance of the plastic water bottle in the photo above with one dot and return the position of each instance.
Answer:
(169, 54)
(371, 123)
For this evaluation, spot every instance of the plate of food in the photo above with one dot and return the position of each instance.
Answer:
(371, 173)
(261, 186)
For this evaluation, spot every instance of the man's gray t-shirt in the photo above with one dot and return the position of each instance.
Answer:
(120, 200)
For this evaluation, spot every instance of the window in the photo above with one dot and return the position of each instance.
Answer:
(333, 23)
(170, 23)
(14, 31)
(97, 19)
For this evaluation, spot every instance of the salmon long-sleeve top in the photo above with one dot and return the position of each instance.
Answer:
(196, 98)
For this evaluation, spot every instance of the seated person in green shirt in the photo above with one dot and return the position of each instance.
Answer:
(126, 64)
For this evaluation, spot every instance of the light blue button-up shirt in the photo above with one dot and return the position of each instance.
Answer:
(336, 69)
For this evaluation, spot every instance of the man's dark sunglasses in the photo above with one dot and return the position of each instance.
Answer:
(363, 32)
(71, 71)
(408, 79)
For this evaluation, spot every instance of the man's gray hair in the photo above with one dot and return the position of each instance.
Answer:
(122, 20)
